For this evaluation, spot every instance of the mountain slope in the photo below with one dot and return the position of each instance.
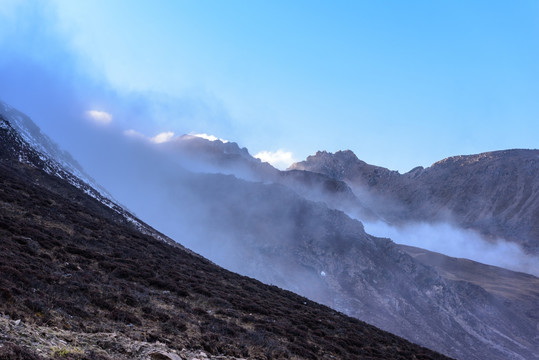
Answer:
(496, 193)
(69, 261)
(33, 138)
(328, 257)
(272, 232)
(23, 142)
(521, 288)
(269, 231)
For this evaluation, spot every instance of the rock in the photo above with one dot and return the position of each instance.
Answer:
(162, 355)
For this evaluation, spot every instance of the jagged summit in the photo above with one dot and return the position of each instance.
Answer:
(342, 165)
(213, 146)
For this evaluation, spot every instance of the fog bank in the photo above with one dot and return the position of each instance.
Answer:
(452, 241)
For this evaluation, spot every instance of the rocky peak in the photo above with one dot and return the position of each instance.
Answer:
(335, 165)
(345, 166)
(494, 192)
(196, 143)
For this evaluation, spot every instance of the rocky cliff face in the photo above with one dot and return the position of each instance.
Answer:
(496, 193)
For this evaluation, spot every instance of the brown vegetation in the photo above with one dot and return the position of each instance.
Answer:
(69, 262)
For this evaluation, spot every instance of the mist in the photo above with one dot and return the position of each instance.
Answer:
(42, 75)
(452, 241)
(290, 229)
(62, 93)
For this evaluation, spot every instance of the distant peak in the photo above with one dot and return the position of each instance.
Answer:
(341, 155)
(498, 155)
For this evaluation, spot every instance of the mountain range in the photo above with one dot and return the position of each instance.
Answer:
(291, 229)
(495, 193)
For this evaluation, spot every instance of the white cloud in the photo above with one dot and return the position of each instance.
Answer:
(99, 117)
(162, 137)
(158, 139)
(280, 159)
(133, 133)
(456, 242)
(208, 137)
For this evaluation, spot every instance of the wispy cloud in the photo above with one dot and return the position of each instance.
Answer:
(452, 241)
(99, 117)
(280, 159)
(162, 137)
(208, 137)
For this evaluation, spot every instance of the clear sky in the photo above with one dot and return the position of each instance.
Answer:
(400, 83)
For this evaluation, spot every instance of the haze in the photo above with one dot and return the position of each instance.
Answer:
(400, 84)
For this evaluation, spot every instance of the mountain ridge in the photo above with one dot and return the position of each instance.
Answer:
(496, 193)
(288, 240)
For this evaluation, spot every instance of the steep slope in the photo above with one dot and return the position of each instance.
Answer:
(271, 232)
(520, 288)
(80, 281)
(23, 142)
(58, 160)
(496, 193)
(328, 257)
(70, 262)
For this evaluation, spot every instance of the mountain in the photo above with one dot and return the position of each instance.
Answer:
(202, 155)
(287, 235)
(276, 236)
(84, 279)
(269, 229)
(495, 193)
(23, 142)
(34, 143)
(520, 288)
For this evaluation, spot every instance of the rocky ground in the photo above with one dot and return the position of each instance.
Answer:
(26, 340)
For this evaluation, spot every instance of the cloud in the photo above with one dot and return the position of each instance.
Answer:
(133, 133)
(162, 137)
(452, 241)
(99, 117)
(208, 137)
(280, 159)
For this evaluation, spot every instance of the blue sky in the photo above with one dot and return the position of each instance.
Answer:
(400, 83)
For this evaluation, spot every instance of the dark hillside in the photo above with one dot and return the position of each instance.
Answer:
(69, 263)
